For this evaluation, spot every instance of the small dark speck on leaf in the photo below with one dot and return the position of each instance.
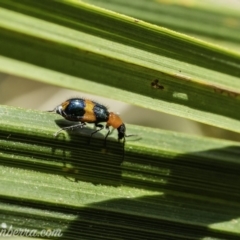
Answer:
(155, 84)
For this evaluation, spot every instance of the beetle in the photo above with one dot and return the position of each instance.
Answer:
(87, 111)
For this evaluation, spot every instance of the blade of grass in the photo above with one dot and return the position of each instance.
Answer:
(190, 185)
(218, 23)
(199, 80)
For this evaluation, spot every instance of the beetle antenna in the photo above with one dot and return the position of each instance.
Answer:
(54, 110)
(131, 135)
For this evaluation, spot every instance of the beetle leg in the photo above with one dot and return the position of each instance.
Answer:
(105, 139)
(100, 126)
(79, 125)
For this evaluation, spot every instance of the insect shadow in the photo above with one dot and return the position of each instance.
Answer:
(89, 158)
